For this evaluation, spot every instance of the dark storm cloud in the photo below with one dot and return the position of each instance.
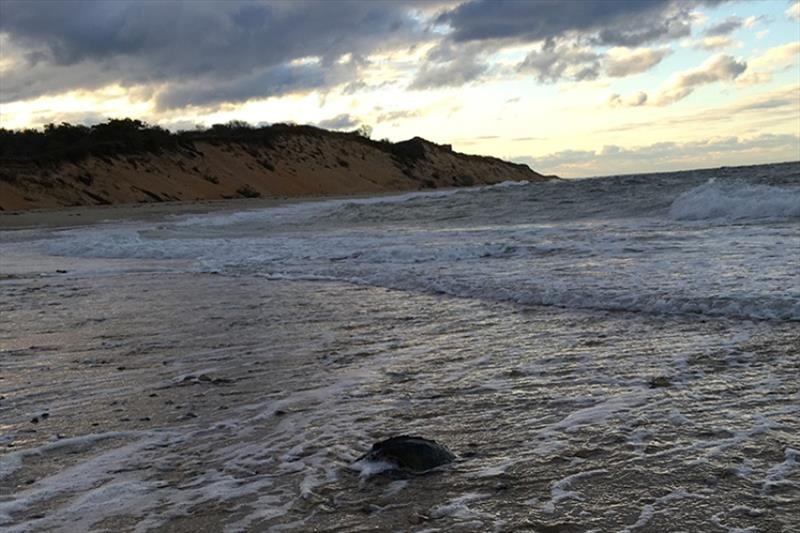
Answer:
(198, 53)
(272, 81)
(566, 29)
(609, 22)
(230, 47)
(726, 27)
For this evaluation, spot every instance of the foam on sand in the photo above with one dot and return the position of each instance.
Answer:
(559, 490)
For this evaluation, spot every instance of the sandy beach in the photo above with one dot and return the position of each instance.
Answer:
(65, 217)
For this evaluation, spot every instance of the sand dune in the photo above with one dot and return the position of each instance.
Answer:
(293, 164)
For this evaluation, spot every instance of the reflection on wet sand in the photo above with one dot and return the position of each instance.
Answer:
(193, 401)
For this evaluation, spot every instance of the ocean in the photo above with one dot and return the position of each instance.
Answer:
(604, 354)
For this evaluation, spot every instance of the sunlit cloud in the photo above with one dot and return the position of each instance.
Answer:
(621, 62)
(761, 68)
(714, 69)
(750, 22)
(778, 57)
(718, 42)
(718, 68)
(793, 12)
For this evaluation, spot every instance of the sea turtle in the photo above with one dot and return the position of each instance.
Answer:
(411, 454)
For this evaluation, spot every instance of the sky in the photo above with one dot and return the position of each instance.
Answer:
(575, 88)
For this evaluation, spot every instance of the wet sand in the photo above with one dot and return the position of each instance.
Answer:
(88, 215)
(69, 217)
(187, 402)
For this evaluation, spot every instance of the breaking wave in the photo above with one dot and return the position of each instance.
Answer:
(736, 202)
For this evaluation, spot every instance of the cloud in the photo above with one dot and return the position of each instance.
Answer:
(393, 116)
(779, 106)
(682, 84)
(551, 62)
(777, 100)
(201, 47)
(634, 100)
(451, 74)
(793, 11)
(754, 78)
(554, 62)
(447, 65)
(606, 22)
(621, 62)
(717, 42)
(778, 57)
(665, 156)
(561, 159)
(271, 81)
(726, 27)
(751, 21)
(563, 33)
(780, 101)
(698, 17)
(339, 122)
(203, 55)
(357, 86)
(761, 68)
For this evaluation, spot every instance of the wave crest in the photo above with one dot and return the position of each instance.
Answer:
(736, 202)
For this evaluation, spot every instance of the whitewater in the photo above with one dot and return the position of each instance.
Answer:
(720, 245)
(603, 354)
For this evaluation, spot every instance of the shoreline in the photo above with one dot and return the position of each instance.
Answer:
(87, 215)
(61, 217)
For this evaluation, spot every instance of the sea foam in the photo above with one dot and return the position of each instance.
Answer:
(672, 244)
(736, 202)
